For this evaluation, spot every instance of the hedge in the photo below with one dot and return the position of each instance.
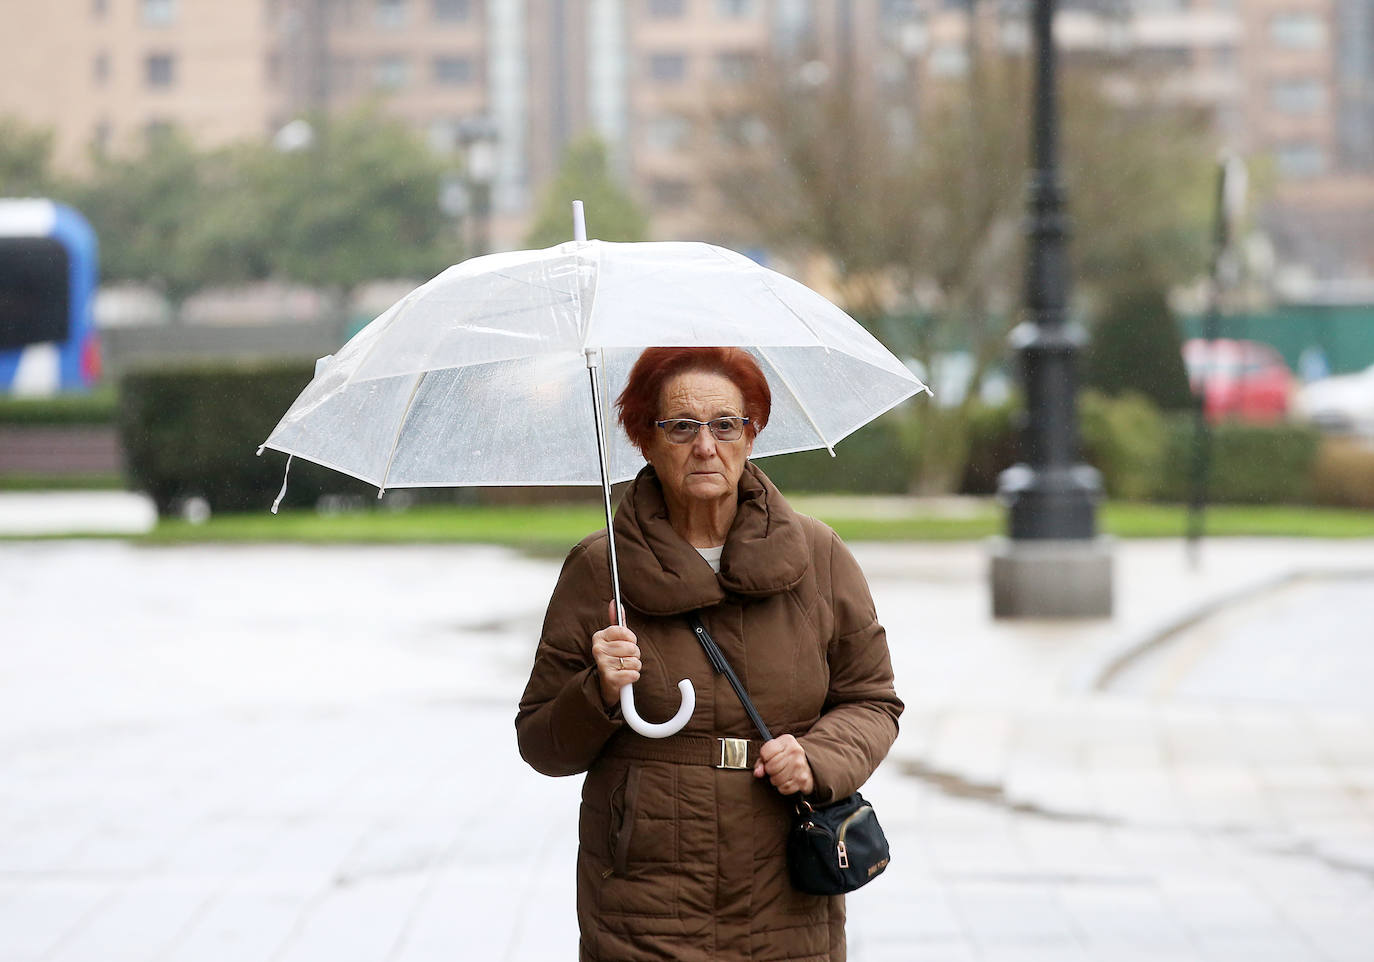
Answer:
(194, 430)
(1250, 463)
(1145, 455)
(872, 460)
(98, 407)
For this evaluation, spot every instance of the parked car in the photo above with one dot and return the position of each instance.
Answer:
(1244, 380)
(1341, 403)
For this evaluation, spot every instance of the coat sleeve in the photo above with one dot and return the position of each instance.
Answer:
(562, 723)
(858, 723)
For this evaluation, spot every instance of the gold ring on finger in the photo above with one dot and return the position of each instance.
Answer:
(622, 664)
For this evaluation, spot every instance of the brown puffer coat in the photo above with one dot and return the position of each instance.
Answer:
(680, 860)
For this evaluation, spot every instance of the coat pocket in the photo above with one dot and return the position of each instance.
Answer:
(624, 804)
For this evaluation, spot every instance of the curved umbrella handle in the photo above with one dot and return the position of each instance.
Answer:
(662, 729)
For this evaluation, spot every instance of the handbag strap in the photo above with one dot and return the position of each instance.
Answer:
(722, 667)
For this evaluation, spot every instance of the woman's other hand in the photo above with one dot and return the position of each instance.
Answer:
(617, 659)
(783, 760)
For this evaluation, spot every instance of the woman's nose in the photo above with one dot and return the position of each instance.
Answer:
(704, 444)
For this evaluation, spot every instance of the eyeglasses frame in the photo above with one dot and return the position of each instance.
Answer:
(661, 425)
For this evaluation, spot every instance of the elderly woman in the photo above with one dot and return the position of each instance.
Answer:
(679, 857)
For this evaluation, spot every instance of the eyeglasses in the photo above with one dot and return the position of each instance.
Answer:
(683, 430)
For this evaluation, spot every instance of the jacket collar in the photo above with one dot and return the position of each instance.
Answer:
(661, 574)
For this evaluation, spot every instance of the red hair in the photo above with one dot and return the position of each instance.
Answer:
(638, 403)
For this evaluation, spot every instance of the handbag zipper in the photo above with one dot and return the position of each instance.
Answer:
(840, 849)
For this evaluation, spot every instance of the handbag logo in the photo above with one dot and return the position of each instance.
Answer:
(877, 867)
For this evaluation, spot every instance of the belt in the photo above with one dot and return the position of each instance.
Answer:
(738, 754)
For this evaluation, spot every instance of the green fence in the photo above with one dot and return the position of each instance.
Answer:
(1343, 333)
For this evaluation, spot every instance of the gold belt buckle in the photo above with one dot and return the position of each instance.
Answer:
(734, 753)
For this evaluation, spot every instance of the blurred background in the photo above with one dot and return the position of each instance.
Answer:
(260, 179)
(228, 734)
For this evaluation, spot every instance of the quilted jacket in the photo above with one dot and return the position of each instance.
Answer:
(678, 859)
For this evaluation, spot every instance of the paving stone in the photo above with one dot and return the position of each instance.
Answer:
(35, 920)
(240, 925)
(169, 798)
(140, 922)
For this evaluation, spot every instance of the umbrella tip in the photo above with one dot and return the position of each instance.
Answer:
(579, 222)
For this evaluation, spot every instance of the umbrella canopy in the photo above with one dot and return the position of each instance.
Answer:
(480, 376)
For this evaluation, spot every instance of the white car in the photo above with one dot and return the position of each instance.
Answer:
(1341, 403)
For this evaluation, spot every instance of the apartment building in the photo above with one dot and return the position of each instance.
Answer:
(516, 80)
(105, 73)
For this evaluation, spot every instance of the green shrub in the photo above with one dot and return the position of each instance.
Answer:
(1125, 439)
(1343, 474)
(1250, 463)
(992, 445)
(869, 461)
(97, 407)
(194, 431)
(1136, 348)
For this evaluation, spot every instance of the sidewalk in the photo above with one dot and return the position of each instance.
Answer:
(306, 755)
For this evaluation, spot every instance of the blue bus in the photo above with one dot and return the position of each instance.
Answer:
(48, 276)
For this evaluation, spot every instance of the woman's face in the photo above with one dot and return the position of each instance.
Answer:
(702, 469)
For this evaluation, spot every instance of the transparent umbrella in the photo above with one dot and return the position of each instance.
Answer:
(499, 371)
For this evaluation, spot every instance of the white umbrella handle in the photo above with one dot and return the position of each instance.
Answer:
(661, 729)
(627, 694)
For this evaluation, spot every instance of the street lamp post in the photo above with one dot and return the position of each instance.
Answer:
(1053, 564)
(478, 139)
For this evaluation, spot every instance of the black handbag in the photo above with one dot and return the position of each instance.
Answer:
(831, 849)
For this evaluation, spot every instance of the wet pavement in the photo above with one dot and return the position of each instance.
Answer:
(289, 753)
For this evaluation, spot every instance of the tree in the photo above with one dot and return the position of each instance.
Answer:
(25, 159)
(919, 206)
(361, 201)
(1136, 348)
(585, 175)
(142, 209)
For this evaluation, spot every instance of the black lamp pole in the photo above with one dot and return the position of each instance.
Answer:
(1050, 494)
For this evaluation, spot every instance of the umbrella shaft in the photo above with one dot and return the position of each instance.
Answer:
(594, 369)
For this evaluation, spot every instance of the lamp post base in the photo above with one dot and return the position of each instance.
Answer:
(1051, 578)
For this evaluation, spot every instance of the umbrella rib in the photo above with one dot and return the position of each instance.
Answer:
(797, 397)
(585, 312)
(400, 426)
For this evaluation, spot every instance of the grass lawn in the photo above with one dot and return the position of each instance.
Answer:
(553, 528)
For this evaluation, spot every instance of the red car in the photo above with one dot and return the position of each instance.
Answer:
(1244, 380)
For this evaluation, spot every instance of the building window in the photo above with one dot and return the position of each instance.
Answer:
(100, 68)
(1301, 160)
(665, 9)
(948, 60)
(390, 13)
(452, 71)
(159, 70)
(390, 73)
(667, 67)
(736, 9)
(1304, 95)
(735, 66)
(1297, 31)
(669, 192)
(452, 11)
(667, 131)
(159, 13)
(741, 130)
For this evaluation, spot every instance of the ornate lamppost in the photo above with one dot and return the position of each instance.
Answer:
(1053, 564)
